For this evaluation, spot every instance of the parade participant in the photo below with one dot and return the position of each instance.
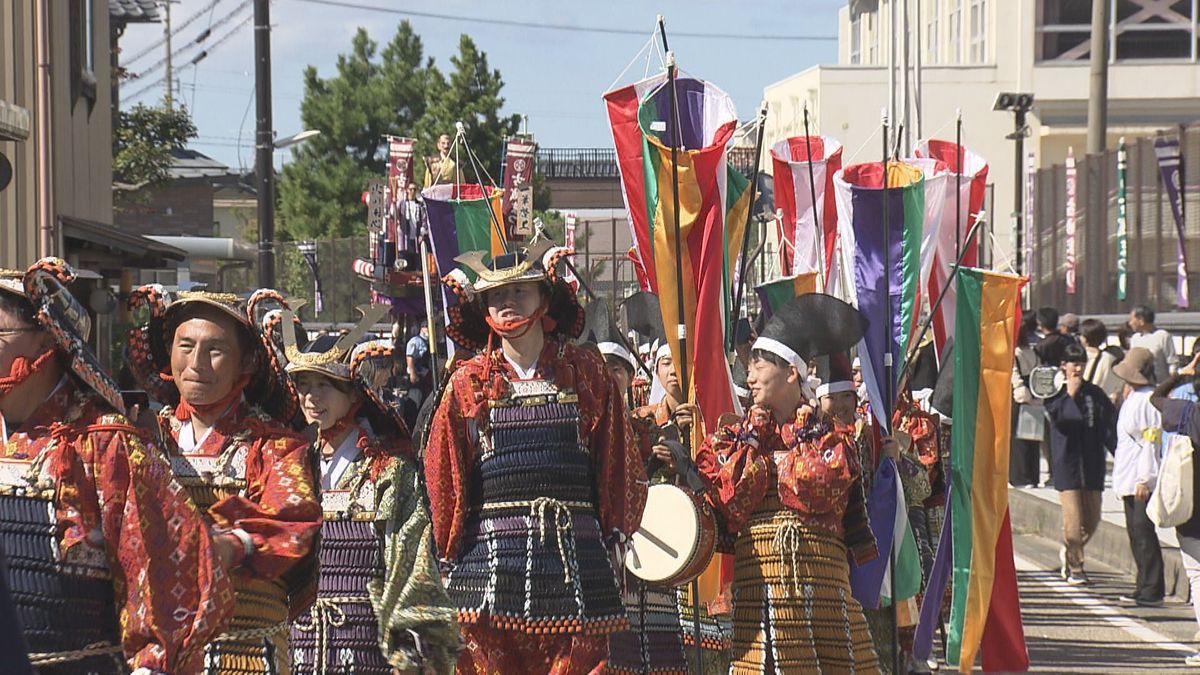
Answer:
(440, 168)
(621, 364)
(653, 643)
(227, 405)
(110, 564)
(781, 477)
(380, 602)
(532, 473)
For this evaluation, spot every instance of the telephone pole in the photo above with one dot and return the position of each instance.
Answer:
(264, 144)
(169, 100)
(1097, 123)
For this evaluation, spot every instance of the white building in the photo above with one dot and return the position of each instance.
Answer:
(970, 50)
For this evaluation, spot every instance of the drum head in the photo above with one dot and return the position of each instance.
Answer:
(666, 541)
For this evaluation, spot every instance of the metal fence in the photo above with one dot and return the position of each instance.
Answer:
(1151, 232)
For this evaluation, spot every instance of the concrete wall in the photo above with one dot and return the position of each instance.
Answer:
(81, 129)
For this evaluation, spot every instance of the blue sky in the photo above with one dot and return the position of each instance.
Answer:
(555, 77)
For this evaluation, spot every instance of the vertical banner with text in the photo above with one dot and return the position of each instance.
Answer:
(517, 201)
(1170, 165)
(1122, 222)
(1070, 252)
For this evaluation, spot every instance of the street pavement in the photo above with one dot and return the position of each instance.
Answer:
(1085, 630)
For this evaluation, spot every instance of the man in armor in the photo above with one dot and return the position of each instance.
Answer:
(225, 424)
(110, 564)
(533, 475)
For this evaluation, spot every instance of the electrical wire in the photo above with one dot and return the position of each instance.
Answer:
(174, 31)
(225, 38)
(564, 27)
(197, 42)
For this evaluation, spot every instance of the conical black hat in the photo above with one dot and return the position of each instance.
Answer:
(814, 324)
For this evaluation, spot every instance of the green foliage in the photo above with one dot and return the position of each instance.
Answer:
(398, 92)
(143, 138)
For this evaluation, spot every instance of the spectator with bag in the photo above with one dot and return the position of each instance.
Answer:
(1135, 471)
(1099, 368)
(1029, 417)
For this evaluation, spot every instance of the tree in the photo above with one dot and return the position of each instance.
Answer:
(373, 94)
(472, 96)
(143, 138)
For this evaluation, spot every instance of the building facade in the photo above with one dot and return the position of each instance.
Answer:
(969, 51)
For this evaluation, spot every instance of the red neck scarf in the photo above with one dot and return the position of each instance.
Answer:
(334, 435)
(21, 370)
(184, 411)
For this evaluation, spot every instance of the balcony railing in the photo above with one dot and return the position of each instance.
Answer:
(601, 163)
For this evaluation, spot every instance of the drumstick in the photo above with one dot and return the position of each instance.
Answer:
(658, 542)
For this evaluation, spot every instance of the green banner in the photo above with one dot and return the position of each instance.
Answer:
(1122, 222)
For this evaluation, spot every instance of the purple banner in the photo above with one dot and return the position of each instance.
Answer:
(1170, 164)
(935, 590)
(867, 580)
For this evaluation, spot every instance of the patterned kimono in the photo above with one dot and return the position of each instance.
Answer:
(530, 482)
(784, 489)
(380, 602)
(253, 474)
(107, 556)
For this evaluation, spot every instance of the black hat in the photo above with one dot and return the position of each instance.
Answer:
(811, 325)
(644, 315)
(739, 379)
(840, 377)
(943, 391)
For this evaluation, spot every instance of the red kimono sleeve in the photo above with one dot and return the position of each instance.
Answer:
(617, 459)
(736, 462)
(173, 595)
(816, 476)
(447, 455)
(280, 511)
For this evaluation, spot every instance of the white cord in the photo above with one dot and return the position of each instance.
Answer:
(648, 45)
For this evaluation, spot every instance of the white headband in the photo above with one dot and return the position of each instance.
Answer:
(664, 351)
(834, 388)
(785, 352)
(615, 349)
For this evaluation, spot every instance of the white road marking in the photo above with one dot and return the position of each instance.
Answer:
(1112, 615)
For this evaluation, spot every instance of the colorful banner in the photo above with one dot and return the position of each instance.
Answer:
(860, 223)
(400, 174)
(985, 610)
(1122, 221)
(964, 196)
(517, 204)
(1071, 210)
(775, 294)
(461, 220)
(1170, 164)
(689, 266)
(808, 234)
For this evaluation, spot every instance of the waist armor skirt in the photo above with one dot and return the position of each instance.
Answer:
(533, 558)
(340, 634)
(257, 633)
(792, 607)
(62, 607)
(653, 643)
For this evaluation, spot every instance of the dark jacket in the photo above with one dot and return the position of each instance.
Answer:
(1081, 428)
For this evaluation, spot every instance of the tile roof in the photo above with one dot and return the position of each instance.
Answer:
(134, 11)
(188, 163)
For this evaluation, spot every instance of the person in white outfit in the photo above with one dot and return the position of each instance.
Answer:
(1157, 340)
(1135, 470)
(1098, 370)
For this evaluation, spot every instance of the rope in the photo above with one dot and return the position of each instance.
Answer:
(649, 44)
(95, 649)
(562, 529)
(325, 614)
(787, 543)
(253, 633)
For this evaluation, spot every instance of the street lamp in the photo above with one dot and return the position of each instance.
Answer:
(1019, 104)
(296, 138)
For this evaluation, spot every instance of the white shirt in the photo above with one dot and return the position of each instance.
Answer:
(1139, 433)
(1099, 372)
(522, 373)
(1162, 347)
(333, 468)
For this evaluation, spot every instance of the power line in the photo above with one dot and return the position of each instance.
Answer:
(564, 27)
(197, 58)
(197, 41)
(174, 31)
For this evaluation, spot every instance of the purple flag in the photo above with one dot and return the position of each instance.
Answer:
(1170, 163)
(867, 580)
(935, 591)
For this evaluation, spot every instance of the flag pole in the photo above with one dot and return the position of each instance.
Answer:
(958, 172)
(681, 365)
(741, 285)
(812, 191)
(889, 393)
(424, 240)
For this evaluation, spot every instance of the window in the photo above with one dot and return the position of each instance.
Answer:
(856, 39)
(83, 49)
(979, 31)
(1142, 29)
(872, 38)
(954, 44)
(932, 46)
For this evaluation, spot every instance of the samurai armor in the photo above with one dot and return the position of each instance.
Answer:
(794, 612)
(63, 606)
(533, 558)
(341, 632)
(653, 643)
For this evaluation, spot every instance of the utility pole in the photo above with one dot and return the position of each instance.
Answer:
(264, 144)
(1098, 90)
(169, 100)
